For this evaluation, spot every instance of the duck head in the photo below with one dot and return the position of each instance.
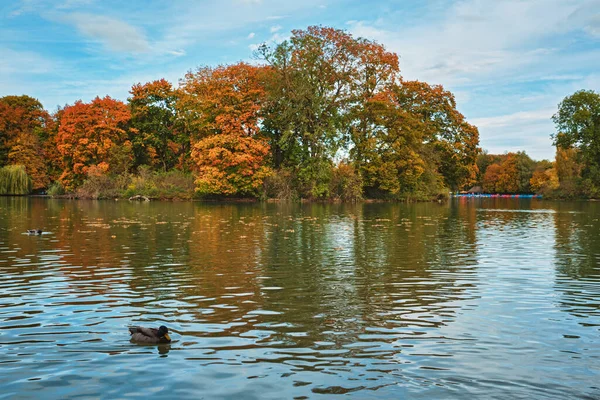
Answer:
(163, 332)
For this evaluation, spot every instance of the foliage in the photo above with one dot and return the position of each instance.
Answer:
(544, 181)
(23, 131)
(154, 136)
(568, 170)
(230, 165)
(578, 125)
(173, 184)
(276, 130)
(319, 77)
(14, 180)
(56, 189)
(453, 142)
(346, 183)
(92, 135)
(281, 185)
(230, 155)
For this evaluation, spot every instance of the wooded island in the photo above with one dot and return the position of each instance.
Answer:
(321, 116)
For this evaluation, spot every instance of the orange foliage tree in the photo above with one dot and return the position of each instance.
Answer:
(95, 135)
(222, 110)
(24, 127)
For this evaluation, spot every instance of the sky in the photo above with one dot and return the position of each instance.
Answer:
(508, 62)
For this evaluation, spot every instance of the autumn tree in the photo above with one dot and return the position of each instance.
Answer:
(510, 173)
(578, 125)
(222, 107)
(390, 157)
(544, 181)
(154, 137)
(451, 139)
(568, 170)
(317, 79)
(24, 126)
(491, 179)
(94, 135)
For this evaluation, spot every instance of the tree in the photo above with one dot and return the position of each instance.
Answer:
(320, 76)
(568, 171)
(578, 125)
(222, 109)
(95, 135)
(154, 136)
(511, 173)
(491, 178)
(544, 181)
(24, 126)
(454, 142)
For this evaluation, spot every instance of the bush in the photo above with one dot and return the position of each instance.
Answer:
(56, 189)
(345, 184)
(280, 185)
(100, 186)
(173, 184)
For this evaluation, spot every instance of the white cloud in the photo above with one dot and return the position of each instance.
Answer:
(115, 34)
(275, 28)
(250, 35)
(177, 53)
(519, 118)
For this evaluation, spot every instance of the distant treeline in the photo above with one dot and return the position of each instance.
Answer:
(575, 172)
(323, 116)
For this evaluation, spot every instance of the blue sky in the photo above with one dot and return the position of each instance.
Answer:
(509, 62)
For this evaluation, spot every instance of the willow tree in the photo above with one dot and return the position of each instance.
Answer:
(14, 180)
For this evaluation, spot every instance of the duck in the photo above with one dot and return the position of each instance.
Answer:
(34, 231)
(150, 335)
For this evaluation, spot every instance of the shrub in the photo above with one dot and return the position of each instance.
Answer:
(166, 185)
(56, 189)
(280, 185)
(345, 184)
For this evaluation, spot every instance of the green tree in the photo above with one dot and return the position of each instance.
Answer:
(578, 125)
(318, 77)
(154, 137)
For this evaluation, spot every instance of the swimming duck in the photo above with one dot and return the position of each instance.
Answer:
(34, 231)
(150, 335)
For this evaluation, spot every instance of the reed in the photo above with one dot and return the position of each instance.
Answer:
(14, 180)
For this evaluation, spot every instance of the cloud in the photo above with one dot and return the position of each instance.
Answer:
(250, 35)
(177, 53)
(518, 118)
(275, 28)
(115, 34)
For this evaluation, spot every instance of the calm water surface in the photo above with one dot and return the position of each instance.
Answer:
(489, 298)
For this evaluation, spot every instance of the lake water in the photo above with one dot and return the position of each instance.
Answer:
(477, 298)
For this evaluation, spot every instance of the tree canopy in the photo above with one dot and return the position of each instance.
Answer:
(323, 115)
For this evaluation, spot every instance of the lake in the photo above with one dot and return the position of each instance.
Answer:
(475, 298)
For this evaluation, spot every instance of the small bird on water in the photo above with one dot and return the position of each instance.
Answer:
(150, 335)
(34, 231)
